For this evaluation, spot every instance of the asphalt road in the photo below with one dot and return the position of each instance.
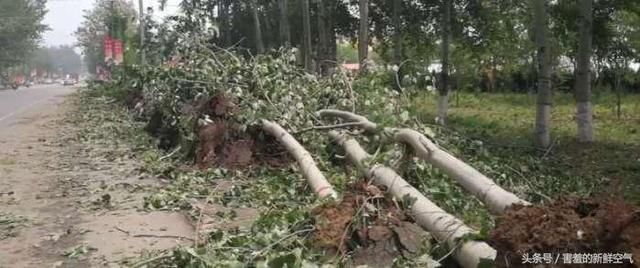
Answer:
(16, 102)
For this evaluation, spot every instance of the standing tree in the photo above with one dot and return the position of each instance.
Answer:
(256, 25)
(443, 99)
(285, 34)
(102, 20)
(584, 111)
(225, 25)
(20, 31)
(543, 113)
(306, 22)
(323, 42)
(397, 32)
(363, 35)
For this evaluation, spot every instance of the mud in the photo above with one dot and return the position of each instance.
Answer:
(567, 225)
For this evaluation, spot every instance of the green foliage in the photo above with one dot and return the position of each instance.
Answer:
(496, 139)
(114, 18)
(21, 27)
(347, 53)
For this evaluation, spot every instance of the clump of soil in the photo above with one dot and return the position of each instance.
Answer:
(220, 143)
(368, 225)
(567, 225)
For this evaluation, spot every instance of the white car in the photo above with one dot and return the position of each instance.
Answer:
(68, 82)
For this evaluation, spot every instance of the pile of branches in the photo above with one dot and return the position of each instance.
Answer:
(203, 87)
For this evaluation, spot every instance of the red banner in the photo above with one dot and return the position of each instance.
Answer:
(117, 51)
(108, 48)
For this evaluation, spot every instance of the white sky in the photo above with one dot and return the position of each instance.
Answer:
(65, 16)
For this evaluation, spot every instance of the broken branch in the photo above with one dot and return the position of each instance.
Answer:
(350, 117)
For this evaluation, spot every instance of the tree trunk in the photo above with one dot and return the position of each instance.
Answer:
(543, 112)
(256, 26)
(285, 34)
(584, 111)
(443, 99)
(397, 34)
(617, 90)
(331, 37)
(323, 45)
(442, 225)
(306, 48)
(308, 167)
(363, 35)
(483, 188)
(225, 27)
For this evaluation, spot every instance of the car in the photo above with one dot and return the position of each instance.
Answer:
(68, 82)
(48, 81)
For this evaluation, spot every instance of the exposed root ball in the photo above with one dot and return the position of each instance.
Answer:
(568, 225)
(221, 143)
(367, 225)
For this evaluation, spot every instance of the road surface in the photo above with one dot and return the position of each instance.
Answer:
(15, 102)
(56, 171)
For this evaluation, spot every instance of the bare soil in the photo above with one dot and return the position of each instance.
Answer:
(568, 225)
(370, 225)
(65, 202)
(221, 143)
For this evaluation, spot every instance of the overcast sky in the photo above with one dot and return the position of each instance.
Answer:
(65, 16)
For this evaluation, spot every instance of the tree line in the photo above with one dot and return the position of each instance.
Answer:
(528, 46)
(21, 29)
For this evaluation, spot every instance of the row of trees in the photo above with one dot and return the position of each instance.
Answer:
(476, 43)
(61, 59)
(21, 29)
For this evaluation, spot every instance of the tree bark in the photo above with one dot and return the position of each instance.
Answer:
(323, 45)
(225, 26)
(483, 188)
(285, 34)
(331, 37)
(543, 112)
(256, 26)
(584, 109)
(363, 35)
(443, 98)
(442, 225)
(308, 167)
(306, 28)
(397, 34)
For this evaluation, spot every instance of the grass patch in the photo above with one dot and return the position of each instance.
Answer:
(504, 124)
(6, 161)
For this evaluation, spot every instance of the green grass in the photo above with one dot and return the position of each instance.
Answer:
(504, 122)
(7, 161)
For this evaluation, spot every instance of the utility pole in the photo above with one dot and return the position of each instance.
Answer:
(141, 22)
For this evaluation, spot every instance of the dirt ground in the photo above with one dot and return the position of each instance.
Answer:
(568, 225)
(69, 203)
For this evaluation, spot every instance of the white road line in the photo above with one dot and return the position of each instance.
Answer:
(23, 108)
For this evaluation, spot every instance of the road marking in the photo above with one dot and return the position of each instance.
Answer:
(23, 108)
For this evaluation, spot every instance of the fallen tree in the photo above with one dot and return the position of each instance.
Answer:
(440, 224)
(485, 189)
(308, 167)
